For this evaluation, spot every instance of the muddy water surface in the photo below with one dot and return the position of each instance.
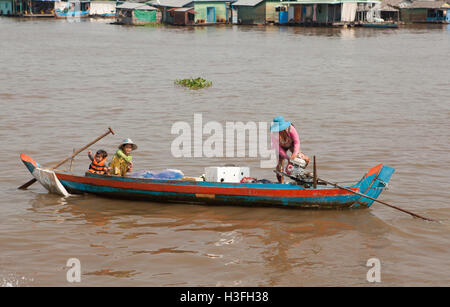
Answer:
(359, 97)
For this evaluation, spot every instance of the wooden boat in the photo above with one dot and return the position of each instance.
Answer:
(379, 25)
(72, 9)
(252, 194)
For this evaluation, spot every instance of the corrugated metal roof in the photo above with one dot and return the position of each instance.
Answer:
(183, 9)
(170, 3)
(390, 5)
(426, 4)
(327, 1)
(391, 2)
(134, 5)
(247, 2)
(388, 8)
(231, 1)
(146, 8)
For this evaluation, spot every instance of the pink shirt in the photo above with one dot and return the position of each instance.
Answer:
(293, 143)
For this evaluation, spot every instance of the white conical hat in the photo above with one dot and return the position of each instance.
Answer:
(128, 141)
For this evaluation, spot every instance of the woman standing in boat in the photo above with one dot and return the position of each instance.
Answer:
(287, 139)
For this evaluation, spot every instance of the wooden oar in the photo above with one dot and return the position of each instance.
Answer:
(360, 194)
(379, 201)
(26, 185)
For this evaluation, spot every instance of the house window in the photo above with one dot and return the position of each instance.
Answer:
(431, 13)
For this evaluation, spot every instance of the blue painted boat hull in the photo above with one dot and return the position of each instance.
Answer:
(380, 25)
(248, 194)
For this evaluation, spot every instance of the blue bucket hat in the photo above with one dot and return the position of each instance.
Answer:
(279, 124)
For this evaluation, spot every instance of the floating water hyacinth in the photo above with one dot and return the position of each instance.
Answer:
(194, 83)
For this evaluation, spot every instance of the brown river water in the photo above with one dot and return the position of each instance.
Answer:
(359, 97)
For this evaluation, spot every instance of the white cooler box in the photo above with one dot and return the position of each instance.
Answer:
(226, 173)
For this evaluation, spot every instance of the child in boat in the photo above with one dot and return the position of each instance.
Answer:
(98, 165)
(122, 163)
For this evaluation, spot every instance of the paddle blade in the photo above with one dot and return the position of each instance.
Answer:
(26, 185)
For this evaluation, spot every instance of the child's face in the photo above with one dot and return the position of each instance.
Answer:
(98, 158)
(127, 149)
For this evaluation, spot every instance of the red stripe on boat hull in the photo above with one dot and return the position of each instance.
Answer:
(195, 189)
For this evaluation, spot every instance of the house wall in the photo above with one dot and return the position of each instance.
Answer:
(200, 8)
(252, 15)
(144, 17)
(137, 17)
(179, 18)
(308, 13)
(167, 18)
(6, 7)
(182, 18)
(389, 15)
(322, 13)
(413, 15)
(438, 15)
(334, 12)
(271, 14)
(102, 8)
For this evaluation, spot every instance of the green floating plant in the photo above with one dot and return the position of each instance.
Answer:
(194, 83)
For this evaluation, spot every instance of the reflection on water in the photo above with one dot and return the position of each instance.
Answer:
(359, 97)
(270, 242)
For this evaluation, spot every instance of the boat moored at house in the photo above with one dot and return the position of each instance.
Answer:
(72, 9)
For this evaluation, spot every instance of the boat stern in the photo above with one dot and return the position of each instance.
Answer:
(373, 183)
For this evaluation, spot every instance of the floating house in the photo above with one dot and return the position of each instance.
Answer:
(212, 11)
(34, 8)
(446, 6)
(250, 12)
(131, 13)
(105, 9)
(62, 8)
(301, 12)
(205, 12)
(168, 10)
(329, 12)
(183, 16)
(259, 12)
(389, 10)
(424, 11)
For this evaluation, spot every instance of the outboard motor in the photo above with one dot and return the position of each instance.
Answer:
(296, 168)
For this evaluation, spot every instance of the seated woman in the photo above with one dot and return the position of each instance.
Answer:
(288, 139)
(122, 163)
